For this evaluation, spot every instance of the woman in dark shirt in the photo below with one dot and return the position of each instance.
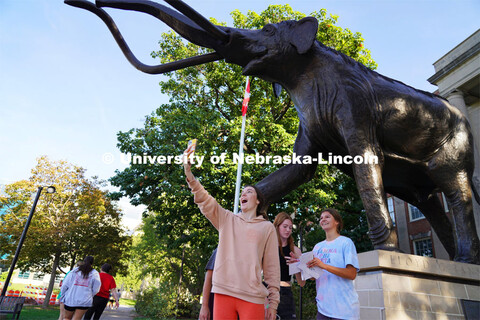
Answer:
(283, 224)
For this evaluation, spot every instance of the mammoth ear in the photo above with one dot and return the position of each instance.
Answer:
(304, 33)
(277, 89)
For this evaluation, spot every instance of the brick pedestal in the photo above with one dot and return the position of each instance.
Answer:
(401, 286)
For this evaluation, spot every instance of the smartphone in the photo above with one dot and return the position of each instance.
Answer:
(192, 144)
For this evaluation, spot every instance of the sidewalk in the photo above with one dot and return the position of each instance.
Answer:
(122, 313)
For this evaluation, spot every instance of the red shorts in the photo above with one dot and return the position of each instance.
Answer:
(231, 308)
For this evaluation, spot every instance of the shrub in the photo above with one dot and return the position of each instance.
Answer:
(160, 302)
(309, 305)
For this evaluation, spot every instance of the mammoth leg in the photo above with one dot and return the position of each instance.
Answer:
(289, 177)
(278, 184)
(368, 177)
(451, 169)
(411, 183)
(433, 210)
(459, 197)
(370, 186)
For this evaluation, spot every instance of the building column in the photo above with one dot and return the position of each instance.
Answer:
(456, 99)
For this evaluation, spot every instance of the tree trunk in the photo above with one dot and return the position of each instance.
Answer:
(51, 283)
(73, 262)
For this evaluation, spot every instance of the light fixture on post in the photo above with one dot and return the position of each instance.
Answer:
(50, 190)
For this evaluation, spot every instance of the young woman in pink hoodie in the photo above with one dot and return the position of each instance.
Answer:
(247, 247)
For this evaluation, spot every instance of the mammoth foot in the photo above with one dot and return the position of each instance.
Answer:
(388, 247)
(471, 260)
(468, 251)
(383, 238)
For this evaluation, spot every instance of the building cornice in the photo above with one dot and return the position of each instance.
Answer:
(455, 63)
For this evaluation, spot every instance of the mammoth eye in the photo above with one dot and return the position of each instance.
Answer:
(269, 29)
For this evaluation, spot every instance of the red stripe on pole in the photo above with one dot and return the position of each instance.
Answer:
(246, 98)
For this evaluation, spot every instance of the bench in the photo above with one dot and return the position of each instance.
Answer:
(11, 305)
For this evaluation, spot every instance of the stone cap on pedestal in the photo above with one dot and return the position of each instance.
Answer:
(412, 264)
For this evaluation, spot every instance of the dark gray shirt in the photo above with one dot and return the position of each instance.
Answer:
(211, 262)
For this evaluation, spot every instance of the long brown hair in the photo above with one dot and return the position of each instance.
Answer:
(279, 219)
(261, 202)
(86, 267)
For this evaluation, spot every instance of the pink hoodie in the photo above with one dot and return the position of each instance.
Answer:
(245, 248)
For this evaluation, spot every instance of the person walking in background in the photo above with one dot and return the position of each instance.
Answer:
(112, 300)
(247, 245)
(283, 224)
(336, 255)
(62, 305)
(206, 311)
(78, 289)
(100, 300)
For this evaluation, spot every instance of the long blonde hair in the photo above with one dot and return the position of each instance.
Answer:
(279, 219)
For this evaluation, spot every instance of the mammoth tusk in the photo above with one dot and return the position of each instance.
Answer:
(158, 69)
(178, 22)
(180, 64)
(199, 19)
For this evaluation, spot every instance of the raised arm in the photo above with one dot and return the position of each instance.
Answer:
(209, 207)
(187, 165)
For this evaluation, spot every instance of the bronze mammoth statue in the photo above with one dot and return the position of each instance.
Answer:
(423, 144)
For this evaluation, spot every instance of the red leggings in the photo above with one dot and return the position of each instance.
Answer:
(230, 308)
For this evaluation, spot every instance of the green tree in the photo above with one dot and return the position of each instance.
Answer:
(77, 220)
(205, 103)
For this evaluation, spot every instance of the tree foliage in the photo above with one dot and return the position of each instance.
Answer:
(78, 220)
(205, 103)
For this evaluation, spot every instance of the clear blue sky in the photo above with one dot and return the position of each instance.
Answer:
(66, 89)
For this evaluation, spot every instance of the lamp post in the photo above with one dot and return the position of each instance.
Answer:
(303, 228)
(50, 189)
(300, 293)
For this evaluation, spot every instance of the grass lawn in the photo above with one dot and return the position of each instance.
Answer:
(127, 302)
(35, 312)
(52, 312)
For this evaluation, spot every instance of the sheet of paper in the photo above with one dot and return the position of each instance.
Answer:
(301, 266)
(305, 257)
(293, 268)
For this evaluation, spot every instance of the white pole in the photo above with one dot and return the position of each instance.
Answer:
(240, 164)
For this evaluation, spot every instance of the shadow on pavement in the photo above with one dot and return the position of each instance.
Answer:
(122, 313)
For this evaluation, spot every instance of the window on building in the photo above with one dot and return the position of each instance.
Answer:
(23, 275)
(38, 276)
(391, 209)
(423, 247)
(415, 213)
(445, 203)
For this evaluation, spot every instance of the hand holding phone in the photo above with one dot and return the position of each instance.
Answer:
(192, 145)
